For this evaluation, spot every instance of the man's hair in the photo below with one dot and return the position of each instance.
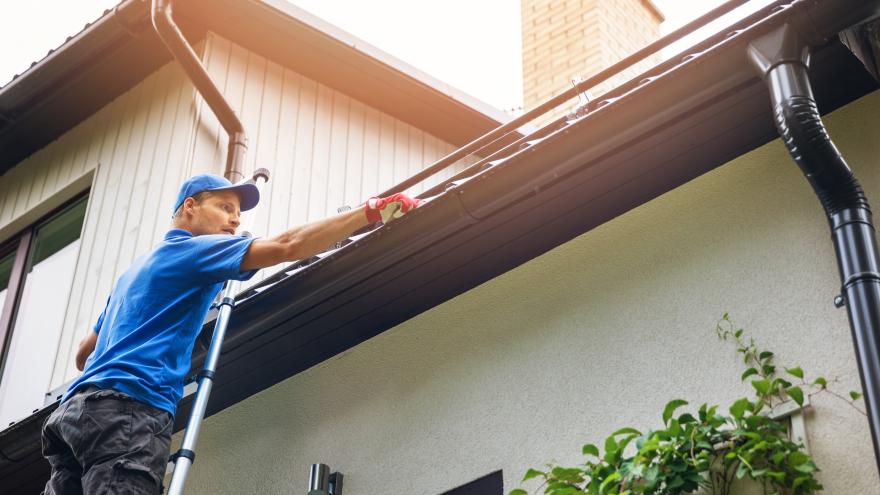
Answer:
(198, 197)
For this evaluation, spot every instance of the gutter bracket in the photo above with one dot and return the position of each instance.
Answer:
(133, 29)
(864, 41)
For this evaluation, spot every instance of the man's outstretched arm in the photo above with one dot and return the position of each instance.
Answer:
(312, 238)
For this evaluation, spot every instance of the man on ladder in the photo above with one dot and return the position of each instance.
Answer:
(112, 431)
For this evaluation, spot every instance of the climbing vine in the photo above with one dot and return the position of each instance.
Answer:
(707, 449)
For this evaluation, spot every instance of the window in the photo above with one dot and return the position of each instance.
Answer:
(491, 484)
(36, 270)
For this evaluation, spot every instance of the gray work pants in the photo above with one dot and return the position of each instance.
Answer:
(103, 441)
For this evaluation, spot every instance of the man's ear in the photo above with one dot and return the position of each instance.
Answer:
(188, 204)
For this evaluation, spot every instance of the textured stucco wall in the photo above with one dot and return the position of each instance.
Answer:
(596, 334)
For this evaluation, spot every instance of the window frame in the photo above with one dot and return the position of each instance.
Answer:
(21, 243)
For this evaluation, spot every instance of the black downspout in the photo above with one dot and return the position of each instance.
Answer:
(169, 33)
(782, 57)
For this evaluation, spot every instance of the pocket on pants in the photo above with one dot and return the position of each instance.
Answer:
(129, 477)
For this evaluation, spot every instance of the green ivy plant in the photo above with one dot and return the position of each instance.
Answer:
(708, 450)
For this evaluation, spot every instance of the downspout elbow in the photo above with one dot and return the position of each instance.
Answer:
(782, 60)
(163, 22)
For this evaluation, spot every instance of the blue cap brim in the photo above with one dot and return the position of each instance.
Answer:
(247, 191)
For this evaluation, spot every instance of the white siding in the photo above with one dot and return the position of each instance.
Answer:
(324, 150)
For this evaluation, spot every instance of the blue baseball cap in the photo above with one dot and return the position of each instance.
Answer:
(246, 190)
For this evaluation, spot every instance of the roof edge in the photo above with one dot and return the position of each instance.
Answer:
(654, 9)
(339, 35)
(125, 16)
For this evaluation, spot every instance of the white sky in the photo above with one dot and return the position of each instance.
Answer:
(473, 45)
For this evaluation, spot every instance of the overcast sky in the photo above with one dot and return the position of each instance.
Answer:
(473, 45)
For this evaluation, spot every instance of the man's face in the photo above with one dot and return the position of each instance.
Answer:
(218, 213)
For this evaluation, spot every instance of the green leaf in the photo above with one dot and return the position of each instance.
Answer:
(627, 430)
(607, 484)
(798, 457)
(806, 468)
(765, 355)
(652, 474)
(518, 491)
(674, 427)
(747, 373)
(821, 382)
(670, 409)
(590, 449)
(739, 408)
(533, 473)
(571, 475)
(855, 395)
(796, 371)
(780, 382)
(687, 418)
(676, 482)
(762, 386)
(777, 475)
(796, 394)
(610, 444)
(738, 333)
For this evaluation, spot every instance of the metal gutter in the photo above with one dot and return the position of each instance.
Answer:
(490, 141)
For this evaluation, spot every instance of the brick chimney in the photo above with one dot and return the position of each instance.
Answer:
(563, 39)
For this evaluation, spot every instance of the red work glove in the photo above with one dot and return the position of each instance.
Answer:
(386, 209)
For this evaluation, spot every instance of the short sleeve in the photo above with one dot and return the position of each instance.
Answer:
(216, 258)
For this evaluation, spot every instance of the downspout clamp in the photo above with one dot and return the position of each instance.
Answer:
(782, 57)
(172, 37)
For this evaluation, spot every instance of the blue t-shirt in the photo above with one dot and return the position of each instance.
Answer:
(154, 314)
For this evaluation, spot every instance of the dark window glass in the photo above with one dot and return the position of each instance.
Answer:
(491, 484)
(58, 232)
(32, 338)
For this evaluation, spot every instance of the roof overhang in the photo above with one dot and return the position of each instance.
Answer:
(89, 70)
(687, 118)
(116, 52)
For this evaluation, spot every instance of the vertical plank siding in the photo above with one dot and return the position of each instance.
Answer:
(324, 150)
(143, 149)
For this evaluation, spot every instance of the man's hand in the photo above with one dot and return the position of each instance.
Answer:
(310, 239)
(386, 209)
